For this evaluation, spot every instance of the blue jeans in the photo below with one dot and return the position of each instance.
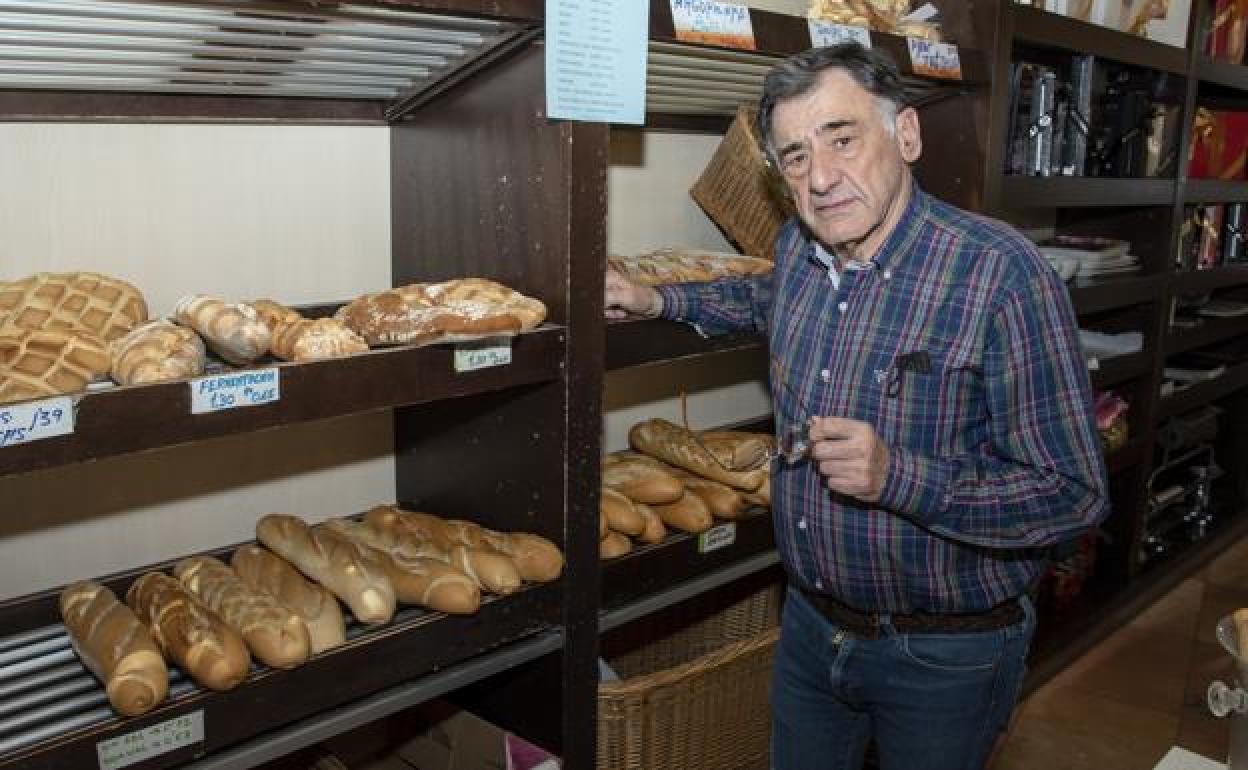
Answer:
(931, 701)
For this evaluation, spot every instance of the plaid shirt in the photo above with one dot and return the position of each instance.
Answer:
(994, 454)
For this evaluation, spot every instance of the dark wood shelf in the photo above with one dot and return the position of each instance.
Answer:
(1095, 296)
(1135, 452)
(1215, 191)
(1210, 332)
(128, 419)
(1221, 73)
(1202, 281)
(1200, 394)
(1119, 369)
(1019, 192)
(641, 341)
(1051, 30)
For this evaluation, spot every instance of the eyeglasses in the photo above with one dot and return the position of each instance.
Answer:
(793, 440)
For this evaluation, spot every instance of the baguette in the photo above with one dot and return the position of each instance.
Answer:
(114, 646)
(350, 572)
(613, 546)
(641, 482)
(275, 635)
(620, 514)
(760, 496)
(537, 559)
(655, 530)
(417, 578)
(675, 445)
(688, 514)
(157, 351)
(723, 501)
(492, 570)
(264, 570)
(739, 450)
(234, 332)
(189, 633)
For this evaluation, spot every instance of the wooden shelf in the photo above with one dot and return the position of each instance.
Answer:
(1214, 191)
(128, 419)
(1051, 30)
(1200, 394)
(1210, 332)
(1095, 296)
(1221, 73)
(1020, 192)
(639, 342)
(1137, 451)
(1202, 281)
(1118, 369)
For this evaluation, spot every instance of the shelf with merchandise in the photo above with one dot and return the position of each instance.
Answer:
(1119, 369)
(1023, 192)
(1215, 191)
(1200, 281)
(1210, 331)
(1098, 295)
(638, 342)
(1222, 74)
(1032, 26)
(1186, 399)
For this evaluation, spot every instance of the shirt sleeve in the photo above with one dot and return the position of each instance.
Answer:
(721, 307)
(1041, 479)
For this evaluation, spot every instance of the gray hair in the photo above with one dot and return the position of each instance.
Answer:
(870, 68)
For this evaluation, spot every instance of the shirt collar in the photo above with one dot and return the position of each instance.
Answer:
(895, 246)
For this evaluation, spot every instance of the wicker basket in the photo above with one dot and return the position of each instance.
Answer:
(740, 193)
(695, 697)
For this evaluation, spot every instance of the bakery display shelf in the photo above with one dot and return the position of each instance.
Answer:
(1095, 296)
(636, 342)
(53, 713)
(641, 577)
(1052, 30)
(1215, 191)
(1020, 192)
(1209, 332)
(1194, 396)
(1226, 75)
(363, 62)
(128, 419)
(1202, 281)
(1134, 453)
(1119, 369)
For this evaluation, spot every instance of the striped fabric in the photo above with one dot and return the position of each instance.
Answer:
(994, 454)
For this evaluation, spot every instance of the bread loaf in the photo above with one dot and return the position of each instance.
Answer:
(114, 646)
(641, 482)
(157, 351)
(620, 514)
(613, 546)
(603, 527)
(688, 514)
(274, 314)
(417, 578)
(275, 635)
(234, 332)
(676, 445)
(189, 633)
(668, 266)
(420, 313)
(265, 571)
(738, 450)
(37, 364)
(723, 501)
(537, 559)
(106, 307)
(308, 340)
(760, 496)
(349, 571)
(655, 530)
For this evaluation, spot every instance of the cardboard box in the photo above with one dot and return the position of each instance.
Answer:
(459, 740)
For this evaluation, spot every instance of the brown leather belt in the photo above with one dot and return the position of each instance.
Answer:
(868, 624)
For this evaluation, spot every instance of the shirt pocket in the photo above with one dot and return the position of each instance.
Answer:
(931, 399)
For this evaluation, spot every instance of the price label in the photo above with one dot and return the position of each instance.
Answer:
(235, 390)
(716, 23)
(825, 33)
(717, 537)
(23, 423)
(469, 358)
(161, 738)
(934, 60)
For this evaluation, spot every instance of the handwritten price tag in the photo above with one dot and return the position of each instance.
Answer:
(235, 390)
(716, 23)
(469, 358)
(160, 738)
(825, 33)
(934, 60)
(717, 537)
(23, 423)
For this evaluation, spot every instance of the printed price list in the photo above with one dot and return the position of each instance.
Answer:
(596, 60)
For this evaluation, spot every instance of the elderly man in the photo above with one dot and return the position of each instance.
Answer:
(933, 412)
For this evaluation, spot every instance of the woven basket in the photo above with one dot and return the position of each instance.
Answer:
(694, 698)
(740, 193)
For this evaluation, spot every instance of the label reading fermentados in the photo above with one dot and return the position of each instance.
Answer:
(235, 390)
(34, 420)
(718, 537)
(161, 738)
(714, 23)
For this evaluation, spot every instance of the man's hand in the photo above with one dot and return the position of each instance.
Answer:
(851, 457)
(624, 298)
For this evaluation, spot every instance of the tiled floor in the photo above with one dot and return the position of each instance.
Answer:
(1142, 690)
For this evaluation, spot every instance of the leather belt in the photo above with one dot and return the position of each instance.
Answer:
(868, 624)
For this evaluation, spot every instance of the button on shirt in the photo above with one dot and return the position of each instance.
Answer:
(993, 451)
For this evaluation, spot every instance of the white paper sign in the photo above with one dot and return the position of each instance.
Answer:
(151, 741)
(235, 390)
(34, 420)
(825, 33)
(934, 60)
(717, 537)
(596, 60)
(469, 358)
(712, 22)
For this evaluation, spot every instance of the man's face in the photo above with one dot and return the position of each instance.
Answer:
(847, 171)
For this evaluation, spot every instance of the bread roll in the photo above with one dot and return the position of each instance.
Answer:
(275, 635)
(492, 570)
(115, 646)
(348, 570)
(38, 364)
(620, 514)
(655, 530)
(675, 445)
(537, 559)
(613, 546)
(739, 450)
(308, 340)
(723, 501)
(420, 313)
(603, 527)
(640, 481)
(688, 514)
(265, 571)
(274, 314)
(189, 633)
(157, 351)
(417, 578)
(234, 332)
(103, 306)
